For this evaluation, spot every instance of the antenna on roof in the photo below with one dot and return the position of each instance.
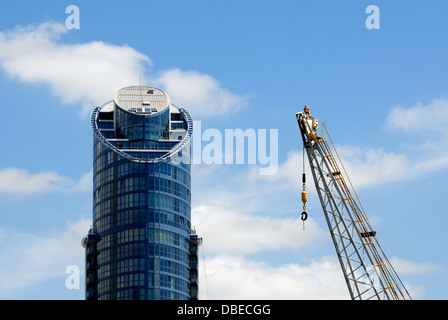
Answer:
(140, 89)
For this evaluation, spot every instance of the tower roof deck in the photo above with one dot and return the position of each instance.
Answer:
(142, 99)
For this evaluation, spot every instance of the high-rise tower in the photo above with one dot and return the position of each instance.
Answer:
(141, 244)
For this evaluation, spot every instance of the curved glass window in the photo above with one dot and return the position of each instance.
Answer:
(142, 130)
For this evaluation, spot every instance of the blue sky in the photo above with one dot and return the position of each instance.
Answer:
(382, 93)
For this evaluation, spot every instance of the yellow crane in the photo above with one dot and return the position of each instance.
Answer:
(367, 271)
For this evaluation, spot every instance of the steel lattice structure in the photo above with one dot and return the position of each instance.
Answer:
(367, 271)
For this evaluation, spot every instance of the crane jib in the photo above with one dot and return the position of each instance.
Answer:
(367, 271)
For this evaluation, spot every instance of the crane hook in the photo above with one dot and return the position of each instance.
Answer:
(304, 216)
(304, 200)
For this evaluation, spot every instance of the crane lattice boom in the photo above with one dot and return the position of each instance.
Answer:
(367, 271)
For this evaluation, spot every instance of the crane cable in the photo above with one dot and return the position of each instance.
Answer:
(205, 272)
(304, 194)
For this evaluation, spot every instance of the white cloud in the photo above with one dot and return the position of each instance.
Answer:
(235, 277)
(368, 167)
(90, 73)
(237, 189)
(28, 260)
(231, 235)
(20, 182)
(430, 121)
(365, 166)
(290, 170)
(432, 164)
(84, 184)
(199, 93)
(232, 232)
(430, 117)
(414, 268)
(227, 276)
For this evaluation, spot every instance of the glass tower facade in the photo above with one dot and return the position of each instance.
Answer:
(141, 245)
